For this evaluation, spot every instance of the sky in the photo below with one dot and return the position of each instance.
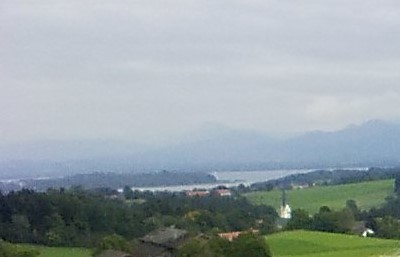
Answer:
(147, 70)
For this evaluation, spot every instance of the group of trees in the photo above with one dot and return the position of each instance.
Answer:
(247, 244)
(76, 217)
(66, 218)
(327, 220)
(114, 242)
(205, 213)
(384, 221)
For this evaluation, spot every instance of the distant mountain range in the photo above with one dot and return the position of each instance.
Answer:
(374, 143)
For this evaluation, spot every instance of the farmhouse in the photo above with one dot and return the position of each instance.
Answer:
(361, 229)
(198, 193)
(230, 235)
(367, 232)
(235, 234)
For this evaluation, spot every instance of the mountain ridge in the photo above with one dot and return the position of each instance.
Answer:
(373, 143)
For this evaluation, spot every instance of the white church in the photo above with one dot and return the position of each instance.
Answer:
(285, 211)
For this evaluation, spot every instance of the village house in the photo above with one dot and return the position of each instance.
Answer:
(235, 234)
(198, 193)
(230, 235)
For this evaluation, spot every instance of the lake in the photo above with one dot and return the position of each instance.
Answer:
(230, 179)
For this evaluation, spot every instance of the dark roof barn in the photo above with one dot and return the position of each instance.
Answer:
(161, 243)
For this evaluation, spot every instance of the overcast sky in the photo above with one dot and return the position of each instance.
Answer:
(144, 70)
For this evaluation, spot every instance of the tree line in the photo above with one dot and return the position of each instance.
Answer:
(77, 217)
(112, 180)
(327, 177)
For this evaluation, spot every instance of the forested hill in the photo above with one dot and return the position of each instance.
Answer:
(329, 177)
(112, 180)
(76, 217)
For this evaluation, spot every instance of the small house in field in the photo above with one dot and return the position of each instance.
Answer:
(113, 253)
(300, 186)
(367, 232)
(161, 243)
(360, 228)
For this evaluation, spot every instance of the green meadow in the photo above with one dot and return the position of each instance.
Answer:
(366, 194)
(291, 244)
(63, 252)
(319, 244)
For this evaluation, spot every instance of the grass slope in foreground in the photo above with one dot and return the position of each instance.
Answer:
(63, 252)
(319, 244)
(366, 194)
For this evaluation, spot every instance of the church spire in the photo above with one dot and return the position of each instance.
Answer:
(284, 198)
(285, 212)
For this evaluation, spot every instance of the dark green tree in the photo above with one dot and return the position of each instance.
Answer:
(114, 242)
(397, 185)
(128, 192)
(300, 220)
(351, 205)
(196, 248)
(333, 221)
(250, 245)
(388, 227)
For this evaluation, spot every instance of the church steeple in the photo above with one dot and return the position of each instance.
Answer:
(285, 212)
(284, 198)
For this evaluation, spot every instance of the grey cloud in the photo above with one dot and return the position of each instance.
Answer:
(147, 69)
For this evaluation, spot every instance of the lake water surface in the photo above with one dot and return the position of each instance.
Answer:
(230, 179)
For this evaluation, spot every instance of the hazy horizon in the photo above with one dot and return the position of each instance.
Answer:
(204, 131)
(155, 70)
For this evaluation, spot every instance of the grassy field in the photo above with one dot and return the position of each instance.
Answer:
(366, 194)
(63, 252)
(292, 244)
(318, 244)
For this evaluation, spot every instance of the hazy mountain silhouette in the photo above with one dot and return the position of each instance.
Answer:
(374, 143)
(61, 150)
